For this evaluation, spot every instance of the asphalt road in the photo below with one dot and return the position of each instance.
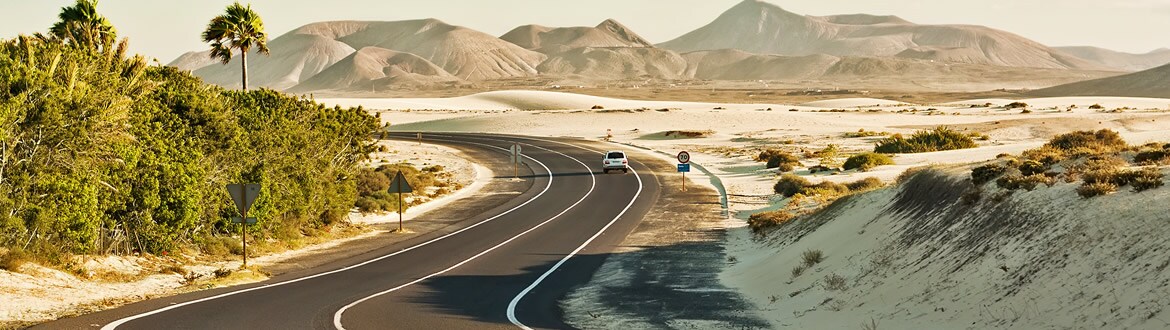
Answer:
(496, 271)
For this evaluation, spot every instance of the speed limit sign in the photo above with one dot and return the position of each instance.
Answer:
(684, 157)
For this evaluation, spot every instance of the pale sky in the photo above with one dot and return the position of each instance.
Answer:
(167, 28)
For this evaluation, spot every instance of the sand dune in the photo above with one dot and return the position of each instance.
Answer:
(759, 27)
(1120, 60)
(1150, 83)
(548, 40)
(373, 68)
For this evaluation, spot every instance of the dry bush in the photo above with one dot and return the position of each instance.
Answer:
(796, 271)
(1018, 181)
(689, 134)
(866, 184)
(790, 184)
(1082, 143)
(1032, 167)
(834, 282)
(1151, 157)
(909, 173)
(812, 257)
(1089, 190)
(762, 221)
(1046, 155)
(986, 173)
(13, 259)
(1146, 179)
(777, 158)
(972, 196)
(825, 189)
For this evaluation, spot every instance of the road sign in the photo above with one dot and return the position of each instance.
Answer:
(684, 157)
(400, 185)
(244, 195)
(684, 168)
(250, 221)
(517, 153)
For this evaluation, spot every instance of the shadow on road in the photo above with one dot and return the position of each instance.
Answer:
(652, 286)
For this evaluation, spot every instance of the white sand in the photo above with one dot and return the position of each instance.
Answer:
(911, 295)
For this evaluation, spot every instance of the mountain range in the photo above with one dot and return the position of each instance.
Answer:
(754, 40)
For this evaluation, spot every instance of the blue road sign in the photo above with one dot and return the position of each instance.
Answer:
(684, 168)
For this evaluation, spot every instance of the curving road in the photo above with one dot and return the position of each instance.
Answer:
(503, 268)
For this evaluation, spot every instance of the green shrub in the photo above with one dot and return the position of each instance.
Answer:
(986, 173)
(790, 184)
(866, 184)
(762, 221)
(867, 161)
(1146, 179)
(1089, 190)
(938, 139)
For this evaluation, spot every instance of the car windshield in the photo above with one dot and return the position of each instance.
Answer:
(614, 155)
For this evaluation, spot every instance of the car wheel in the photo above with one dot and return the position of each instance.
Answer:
(605, 170)
(626, 171)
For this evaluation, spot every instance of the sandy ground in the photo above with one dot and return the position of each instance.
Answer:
(903, 284)
(36, 293)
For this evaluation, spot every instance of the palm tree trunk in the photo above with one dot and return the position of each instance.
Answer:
(244, 63)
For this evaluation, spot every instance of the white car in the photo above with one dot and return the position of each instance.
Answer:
(615, 161)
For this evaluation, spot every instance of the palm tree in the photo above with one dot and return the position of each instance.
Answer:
(82, 27)
(238, 29)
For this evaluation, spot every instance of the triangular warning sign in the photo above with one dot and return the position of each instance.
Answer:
(399, 184)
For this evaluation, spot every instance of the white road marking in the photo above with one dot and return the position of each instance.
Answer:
(337, 316)
(516, 301)
(119, 322)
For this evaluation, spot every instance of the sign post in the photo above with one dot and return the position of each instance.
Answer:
(400, 186)
(420, 138)
(517, 156)
(684, 166)
(244, 195)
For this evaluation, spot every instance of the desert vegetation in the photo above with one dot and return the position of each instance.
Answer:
(1101, 160)
(778, 159)
(100, 152)
(373, 186)
(867, 161)
(938, 139)
(806, 198)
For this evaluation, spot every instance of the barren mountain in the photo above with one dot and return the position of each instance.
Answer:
(1150, 83)
(548, 40)
(1120, 60)
(294, 58)
(310, 49)
(374, 68)
(730, 64)
(760, 27)
(616, 63)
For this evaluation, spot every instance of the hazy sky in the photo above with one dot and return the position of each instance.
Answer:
(168, 28)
